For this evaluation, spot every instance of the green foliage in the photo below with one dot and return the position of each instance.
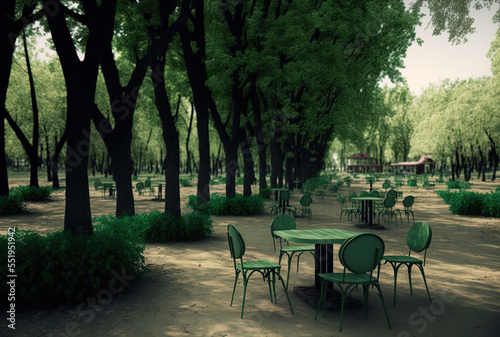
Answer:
(458, 184)
(60, 268)
(218, 181)
(184, 182)
(12, 204)
(471, 203)
(31, 193)
(265, 193)
(497, 190)
(160, 227)
(220, 205)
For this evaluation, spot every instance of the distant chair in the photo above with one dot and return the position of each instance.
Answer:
(305, 202)
(140, 187)
(349, 211)
(149, 187)
(388, 210)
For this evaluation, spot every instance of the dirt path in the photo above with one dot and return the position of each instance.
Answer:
(188, 288)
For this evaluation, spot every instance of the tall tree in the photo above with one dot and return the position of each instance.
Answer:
(11, 25)
(80, 77)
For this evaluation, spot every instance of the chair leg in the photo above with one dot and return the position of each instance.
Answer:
(234, 287)
(321, 298)
(286, 292)
(425, 282)
(245, 282)
(383, 303)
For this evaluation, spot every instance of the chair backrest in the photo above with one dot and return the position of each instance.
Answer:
(285, 195)
(341, 199)
(283, 222)
(306, 200)
(364, 194)
(352, 194)
(419, 237)
(392, 193)
(236, 242)
(389, 202)
(375, 193)
(362, 253)
(147, 183)
(408, 201)
(139, 186)
(385, 185)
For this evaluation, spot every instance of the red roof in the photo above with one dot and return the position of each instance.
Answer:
(425, 159)
(361, 156)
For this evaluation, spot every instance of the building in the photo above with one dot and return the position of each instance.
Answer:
(424, 165)
(363, 163)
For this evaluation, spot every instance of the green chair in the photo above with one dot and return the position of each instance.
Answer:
(149, 187)
(360, 255)
(285, 200)
(392, 193)
(418, 240)
(305, 202)
(349, 211)
(285, 222)
(268, 269)
(140, 187)
(408, 207)
(388, 210)
(354, 203)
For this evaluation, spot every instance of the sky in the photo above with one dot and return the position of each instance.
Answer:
(437, 59)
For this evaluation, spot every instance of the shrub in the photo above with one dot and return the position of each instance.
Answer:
(31, 193)
(11, 204)
(184, 182)
(265, 193)
(160, 227)
(458, 184)
(60, 268)
(220, 205)
(471, 203)
(497, 190)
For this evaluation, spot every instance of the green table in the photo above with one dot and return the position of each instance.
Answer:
(367, 208)
(323, 239)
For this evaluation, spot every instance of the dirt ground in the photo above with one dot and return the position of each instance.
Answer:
(187, 290)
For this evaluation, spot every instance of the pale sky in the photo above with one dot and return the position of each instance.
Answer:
(437, 59)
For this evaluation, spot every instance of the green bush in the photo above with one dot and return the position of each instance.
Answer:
(220, 205)
(60, 268)
(458, 184)
(31, 193)
(265, 193)
(160, 227)
(472, 203)
(184, 182)
(12, 204)
(497, 190)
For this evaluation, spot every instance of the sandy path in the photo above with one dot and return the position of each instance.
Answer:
(188, 288)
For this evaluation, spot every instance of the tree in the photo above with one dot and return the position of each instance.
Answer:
(13, 17)
(80, 78)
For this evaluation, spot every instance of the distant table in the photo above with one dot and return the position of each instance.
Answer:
(109, 189)
(367, 208)
(160, 193)
(323, 239)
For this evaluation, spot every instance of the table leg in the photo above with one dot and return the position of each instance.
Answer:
(323, 262)
(370, 209)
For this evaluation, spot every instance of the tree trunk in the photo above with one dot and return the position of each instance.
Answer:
(171, 138)
(197, 74)
(55, 160)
